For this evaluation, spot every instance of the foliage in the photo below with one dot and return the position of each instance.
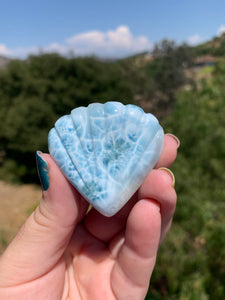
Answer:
(166, 72)
(34, 93)
(191, 264)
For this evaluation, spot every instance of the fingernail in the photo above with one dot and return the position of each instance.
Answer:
(43, 171)
(171, 175)
(175, 138)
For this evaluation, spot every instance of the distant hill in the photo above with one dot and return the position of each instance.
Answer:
(203, 54)
(3, 61)
(216, 42)
(215, 47)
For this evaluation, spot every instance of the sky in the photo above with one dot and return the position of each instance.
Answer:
(104, 28)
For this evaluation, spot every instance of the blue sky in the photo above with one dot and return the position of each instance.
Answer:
(105, 28)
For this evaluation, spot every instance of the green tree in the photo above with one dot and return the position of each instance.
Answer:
(34, 93)
(167, 72)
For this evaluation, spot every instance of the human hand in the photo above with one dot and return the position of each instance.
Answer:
(61, 252)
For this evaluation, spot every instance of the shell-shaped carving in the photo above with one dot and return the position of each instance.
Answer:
(106, 151)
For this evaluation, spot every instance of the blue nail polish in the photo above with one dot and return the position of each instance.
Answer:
(43, 171)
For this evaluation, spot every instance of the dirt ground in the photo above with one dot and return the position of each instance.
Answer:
(16, 203)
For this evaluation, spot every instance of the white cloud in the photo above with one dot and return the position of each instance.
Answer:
(22, 52)
(55, 47)
(194, 39)
(92, 38)
(18, 52)
(4, 51)
(113, 43)
(221, 30)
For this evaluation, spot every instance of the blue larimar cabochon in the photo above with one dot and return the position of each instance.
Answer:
(106, 151)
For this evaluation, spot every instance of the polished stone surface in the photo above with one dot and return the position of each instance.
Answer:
(106, 151)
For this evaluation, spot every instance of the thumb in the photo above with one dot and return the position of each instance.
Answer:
(43, 238)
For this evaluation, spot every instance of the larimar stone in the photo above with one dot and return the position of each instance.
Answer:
(106, 151)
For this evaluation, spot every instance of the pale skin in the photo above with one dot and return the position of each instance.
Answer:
(61, 252)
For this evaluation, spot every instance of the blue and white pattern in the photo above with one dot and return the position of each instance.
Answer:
(106, 151)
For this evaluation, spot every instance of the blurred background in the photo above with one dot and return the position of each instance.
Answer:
(167, 57)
